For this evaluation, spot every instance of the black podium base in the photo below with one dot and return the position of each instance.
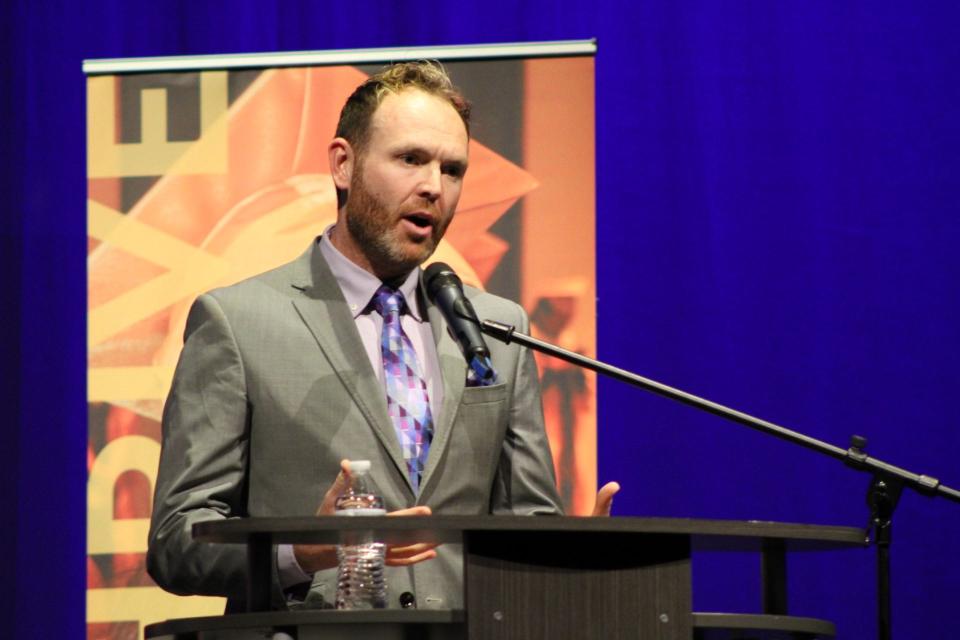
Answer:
(444, 625)
(389, 624)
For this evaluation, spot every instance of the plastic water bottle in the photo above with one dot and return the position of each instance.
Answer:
(360, 580)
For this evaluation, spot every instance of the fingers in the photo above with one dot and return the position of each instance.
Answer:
(405, 562)
(412, 511)
(605, 499)
(401, 556)
(411, 549)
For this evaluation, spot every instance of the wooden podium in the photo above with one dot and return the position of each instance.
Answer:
(533, 578)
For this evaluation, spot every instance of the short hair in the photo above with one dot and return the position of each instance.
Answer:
(428, 76)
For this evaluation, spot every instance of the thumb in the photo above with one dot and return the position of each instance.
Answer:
(605, 499)
(340, 484)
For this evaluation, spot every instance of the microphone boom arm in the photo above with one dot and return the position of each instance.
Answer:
(854, 456)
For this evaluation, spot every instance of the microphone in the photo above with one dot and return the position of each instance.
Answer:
(445, 290)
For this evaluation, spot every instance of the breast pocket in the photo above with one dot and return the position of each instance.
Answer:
(483, 395)
(477, 437)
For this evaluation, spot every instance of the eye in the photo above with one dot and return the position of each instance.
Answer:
(410, 159)
(454, 170)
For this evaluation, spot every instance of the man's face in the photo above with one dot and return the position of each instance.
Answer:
(405, 183)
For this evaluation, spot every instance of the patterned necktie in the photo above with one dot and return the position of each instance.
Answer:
(407, 400)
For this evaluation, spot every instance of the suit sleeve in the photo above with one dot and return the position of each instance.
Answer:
(203, 461)
(525, 483)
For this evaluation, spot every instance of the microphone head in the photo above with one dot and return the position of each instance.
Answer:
(445, 290)
(439, 275)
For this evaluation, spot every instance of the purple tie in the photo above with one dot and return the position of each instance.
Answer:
(407, 401)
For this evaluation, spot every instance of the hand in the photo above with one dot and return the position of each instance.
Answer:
(401, 556)
(605, 499)
(314, 557)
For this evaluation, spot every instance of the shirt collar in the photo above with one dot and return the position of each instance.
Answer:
(359, 285)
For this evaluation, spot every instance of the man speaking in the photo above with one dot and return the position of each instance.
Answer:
(339, 355)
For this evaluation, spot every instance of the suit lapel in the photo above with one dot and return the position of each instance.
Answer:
(453, 372)
(329, 319)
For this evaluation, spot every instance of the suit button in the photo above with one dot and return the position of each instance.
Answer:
(407, 600)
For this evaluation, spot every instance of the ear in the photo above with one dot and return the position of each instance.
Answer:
(342, 159)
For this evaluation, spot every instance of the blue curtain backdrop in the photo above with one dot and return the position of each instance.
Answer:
(777, 223)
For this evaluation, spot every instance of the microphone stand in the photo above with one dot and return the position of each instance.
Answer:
(887, 481)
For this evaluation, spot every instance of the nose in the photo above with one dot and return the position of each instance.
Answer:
(430, 182)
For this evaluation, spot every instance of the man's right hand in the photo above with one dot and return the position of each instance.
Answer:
(314, 557)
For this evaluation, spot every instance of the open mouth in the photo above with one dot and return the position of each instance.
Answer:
(420, 220)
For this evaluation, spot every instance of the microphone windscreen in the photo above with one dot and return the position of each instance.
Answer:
(438, 275)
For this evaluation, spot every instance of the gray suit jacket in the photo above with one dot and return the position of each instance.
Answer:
(274, 388)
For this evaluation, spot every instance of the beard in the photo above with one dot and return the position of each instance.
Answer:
(374, 229)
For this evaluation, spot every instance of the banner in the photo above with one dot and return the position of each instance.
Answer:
(198, 179)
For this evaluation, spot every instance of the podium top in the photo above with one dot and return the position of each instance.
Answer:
(705, 535)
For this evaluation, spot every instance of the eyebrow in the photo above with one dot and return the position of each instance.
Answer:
(457, 163)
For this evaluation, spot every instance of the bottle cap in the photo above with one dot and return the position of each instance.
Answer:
(359, 466)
